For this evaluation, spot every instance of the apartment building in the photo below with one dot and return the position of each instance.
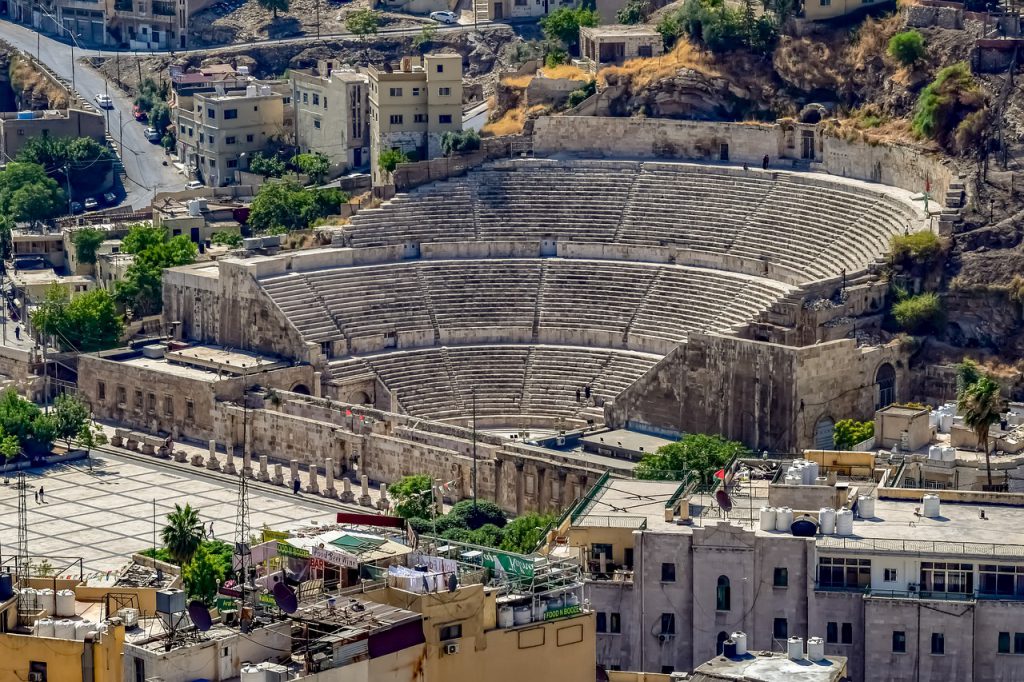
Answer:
(413, 105)
(218, 130)
(898, 587)
(332, 114)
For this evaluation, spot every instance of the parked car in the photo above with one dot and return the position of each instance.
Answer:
(104, 101)
(138, 113)
(193, 184)
(445, 17)
(110, 198)
(76, 207)
(152, 134)
(91, 204)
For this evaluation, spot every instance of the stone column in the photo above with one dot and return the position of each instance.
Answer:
(383, 502)
(278, 475)
(564, 495)
(520, 487)
(329, 490)
(364, 496)
(316, 385)
(229, 462)
(542, 489)
(294, 472)
(346, 491)
(314, 484)
(246, 462)
(211, 463)
(263, 475)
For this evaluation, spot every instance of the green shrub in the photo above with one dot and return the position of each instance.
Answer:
(363, 22)
(634, 12)
(945, 102)
(232, 239)
(579, 95)
(556, 57)
(919, 314)
(849, 432)
(922, 248)
(907, 48)
(462, 141)
(390, 158)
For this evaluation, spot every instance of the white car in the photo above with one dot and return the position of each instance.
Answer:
(193, 184)
(104, 101)
(445, 17)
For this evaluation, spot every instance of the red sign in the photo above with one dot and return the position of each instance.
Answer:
(371, 520)
(316, 563)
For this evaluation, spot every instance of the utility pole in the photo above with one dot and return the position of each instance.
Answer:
(67, 180)
(318, 19)
(474, 447)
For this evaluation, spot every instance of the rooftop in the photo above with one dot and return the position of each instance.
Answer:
(768, 667)
(633, 441)
(618, 30)
(199, 362)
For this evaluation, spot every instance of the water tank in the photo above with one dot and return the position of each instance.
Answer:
(129, 616)
(64, 629)
(46, 602)
(505, 617)
(43, 627)
(26, 115)
(935, 452)
(810, 473)
(729, 648)
(252, 673)
(741, 642)
(793, 479)
(251, 90)
(768, 518)
(65, 603)
(28, 599)
(816, 648)
(804, 526)
(948, 454)
(945, 423)
(866, 507)
(83, 627)
(6, 586)
(555, 604)
(795, 648)
(265, 90)
(931, 506)
(540, 607)
(827, 520)
(783, 519)
(844, 522)
(521, 615)
(170, 601)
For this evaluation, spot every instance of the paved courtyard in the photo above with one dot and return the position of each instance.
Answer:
(104, 514)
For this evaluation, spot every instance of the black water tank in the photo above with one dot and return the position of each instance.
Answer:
(6, 586)
(729, 650)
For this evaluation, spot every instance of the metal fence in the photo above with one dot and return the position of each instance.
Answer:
(982, 549)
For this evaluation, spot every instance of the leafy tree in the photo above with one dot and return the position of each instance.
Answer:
(141, 237)
(37, 202)
(693, 452)
(86, 323)
(967, 373)
(183, 533)
(314, 164)
(849, 432)
(524, 533)
(9, 446)
(423, 41)
(287, 206)
(920, 313)
(203, 575)
(91, 435)
(275, 6)
(907, 48)
(670, 27)
(946, 102)
(576, 97)
(461, 141)
(980, 404)
(17, 415)
(564, 24)
(413, 496)
(267, 166)
(226, 238)
(475, 516)
(141, 290)
(81, 160)
(556, 56)
(363, 22)
(390, 158)
(71, 416)
(87, 240)
(634, 12)
(160, 116)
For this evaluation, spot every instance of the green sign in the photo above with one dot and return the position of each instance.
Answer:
(268, 599)
(284, 549)
(563, 612)
(512, 564)
(269, 535)
(225, 603)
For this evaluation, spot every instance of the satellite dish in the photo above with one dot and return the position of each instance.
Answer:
(199, 615)
(285, 598)
(723, 500)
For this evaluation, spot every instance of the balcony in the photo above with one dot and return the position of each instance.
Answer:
(920, 594)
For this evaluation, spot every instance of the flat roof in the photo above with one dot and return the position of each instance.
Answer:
(627, 440)
(617, 30)
(217, 357)
(629, 501)
(754, 667)
(161, 365)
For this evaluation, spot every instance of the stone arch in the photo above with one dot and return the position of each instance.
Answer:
(301, 389)
(824, 433)
(359, 398)
(813, 113)
(885, 379)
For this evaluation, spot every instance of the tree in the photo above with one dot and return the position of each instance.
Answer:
(390, 158)
(277, 204)
(226, 238)
(141, 289)
(203, 575)
(9, 446)
(24, 421)
(967, 373)
(907, 48)
(634, 12)
(183, 533)
(86, 323)
(82, 161)
(693, 452)
(524, 533)
(314, 164)
(141, 237)
(459, 141)
(980, 404)
(849, 432)
(413, 496)
(564, 24)
(363, 22)
(71, 416)
(87, 240)
(475, 515)
(266, 166)
(160, 116)
(919, 314)
(37, 202)
(275, 6)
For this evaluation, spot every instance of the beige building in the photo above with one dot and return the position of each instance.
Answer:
(413, 105)
(616, 43)
(332, 114)
(819, 10)
(17, 128)
(219, 129)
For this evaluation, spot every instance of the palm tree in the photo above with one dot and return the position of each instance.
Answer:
(183, 533)
(980, 404)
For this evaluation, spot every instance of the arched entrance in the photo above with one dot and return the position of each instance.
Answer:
(885, 377)
(301, 389)
(824, 434)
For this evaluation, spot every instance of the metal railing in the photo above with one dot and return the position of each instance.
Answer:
(939, 547)
(602, 521)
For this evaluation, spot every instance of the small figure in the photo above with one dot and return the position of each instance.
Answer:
(746, 166)
(295, 486)
(17, 332)
(42, 498)
(37, 497)
(764, 162)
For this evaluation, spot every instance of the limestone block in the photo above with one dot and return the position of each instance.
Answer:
(383, 503)
(364, 496)
(278, 475)
(180, 456)
(263, 474)
(329, 490)
(213, 464)
(314, 484)
(294, 471)
(197, 460)
(147, 448)
(346, 491)
(117, 440)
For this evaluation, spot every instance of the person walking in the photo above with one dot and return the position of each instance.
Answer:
(764, 162)
(37, 496)
(42, 497)
(296, 485)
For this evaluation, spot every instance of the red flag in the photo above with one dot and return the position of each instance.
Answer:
(348, 413)
(720, 473)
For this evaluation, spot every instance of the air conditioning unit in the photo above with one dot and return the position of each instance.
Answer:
(665, 637)
(451, 648)
(36, 677)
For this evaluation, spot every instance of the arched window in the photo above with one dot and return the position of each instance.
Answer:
(723, 596)
(886, 380)
(824, 434)
(720, 643)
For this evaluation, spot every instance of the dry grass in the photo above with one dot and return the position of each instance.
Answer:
(26, 78)
(518, 82)
(566, 71)
(873, 40)
(511, 123)
(641, 72)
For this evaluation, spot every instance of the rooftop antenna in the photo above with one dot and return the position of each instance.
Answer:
(242, 527)
(22, 526)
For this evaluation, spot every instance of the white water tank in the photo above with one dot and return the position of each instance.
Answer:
(129, 616)
(251, 90)
(844, 522)
(767, 518)
(816, 648)
(84, 627)
(866, 507)
(505, 617)
(795, 648)
(948, 454)
(783, 519)
(43, 627)
(65, 603)
(252, 673)
(793, 479)
(28, 599)
(935, 452)
(931, 506)
(64, 629)
(810, 472)
(521, 615)
(539, 609)
(741, 642)
(827, 520)
(945, 423)
(46, 602)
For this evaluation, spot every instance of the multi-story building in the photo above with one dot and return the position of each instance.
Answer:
(331, 114)
(218, 130)
(413, 105)
(899, 588)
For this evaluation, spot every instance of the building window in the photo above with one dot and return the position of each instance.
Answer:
(444, 92)
(396, 119)
(121, 396)
(230, 139)
(947, 577)
(151, 403)
(305, 98)
(395, 92)
(190, 409)
(832, 632)
(138, 400)
(1004, 643)
(444, 118)
(415, 92)
(211, 113)
(168, 406)
(938, 643)
(899, 642)
(668, 623)
(316, 99)
(598, 549)
(601, 623)
(780, 628)
(211, 139)
(230, 113)
(182, 129)
(781, 577)
(316, 124)
(190, 132)
(325, 102)
(668, 573)
(614, 623)
(39, 668)
(665, 669)
(440, 68)
(248, 138)
(723, 596)
(213, 163)
(844, 573)
(101, 390)
(889, 575)
(202, 137)
(1001, 580)
(847, 633)
(451, 631)
(420, 118)
(232, 163)
(1018, 642)
(825, 3)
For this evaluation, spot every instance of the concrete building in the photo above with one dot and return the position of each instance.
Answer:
(18, 127)
(219, 129)
(413, 105)
(821, 10)
(615, 43)
(332, 114)
(199, 214)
